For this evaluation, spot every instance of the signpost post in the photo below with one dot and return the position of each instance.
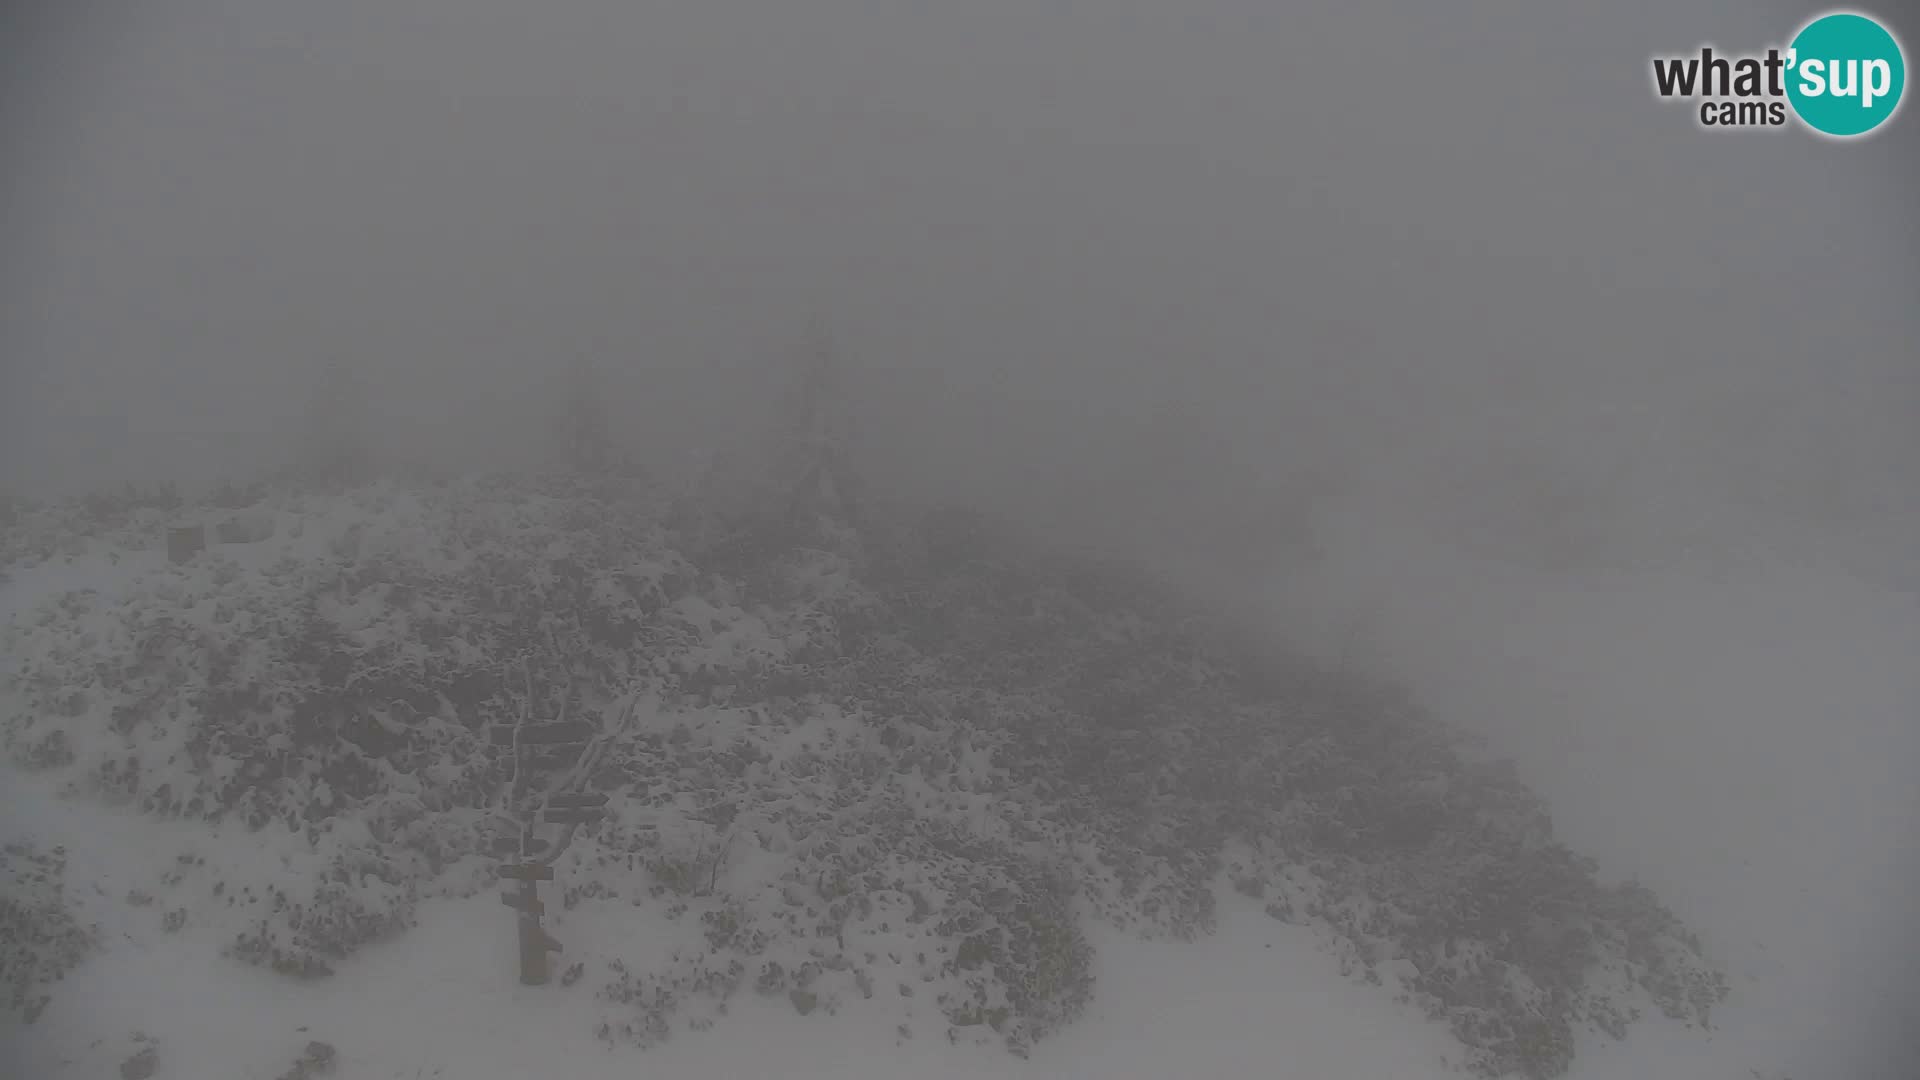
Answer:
(534, 942)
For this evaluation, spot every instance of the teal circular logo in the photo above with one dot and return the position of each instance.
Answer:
(1845, 74)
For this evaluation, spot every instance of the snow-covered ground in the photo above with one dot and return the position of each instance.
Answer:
(1256, 1000)
(1739, 744)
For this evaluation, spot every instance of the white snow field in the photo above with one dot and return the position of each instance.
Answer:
(1256, 1000)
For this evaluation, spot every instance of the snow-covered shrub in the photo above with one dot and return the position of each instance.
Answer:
(40, 940)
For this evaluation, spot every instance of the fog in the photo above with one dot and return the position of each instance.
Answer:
(1418, 334)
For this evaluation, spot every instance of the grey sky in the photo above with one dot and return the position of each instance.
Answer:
(1358, 235)
(1156, 275)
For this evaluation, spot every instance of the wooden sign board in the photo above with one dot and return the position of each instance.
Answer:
(184, 541)
(525, 905)
(527, 872)
(572, 731)
(581, 816)
(566, 800)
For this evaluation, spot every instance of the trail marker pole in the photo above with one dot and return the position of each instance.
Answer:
(533, 938)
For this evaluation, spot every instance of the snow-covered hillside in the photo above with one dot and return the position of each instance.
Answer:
(912, 791)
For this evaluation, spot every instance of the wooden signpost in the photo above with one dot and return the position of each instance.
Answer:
(527, 872)
(563, 731)
(574, 807)
(185, 541)
(533, 856)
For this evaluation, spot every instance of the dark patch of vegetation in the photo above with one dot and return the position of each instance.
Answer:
(40, 940)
